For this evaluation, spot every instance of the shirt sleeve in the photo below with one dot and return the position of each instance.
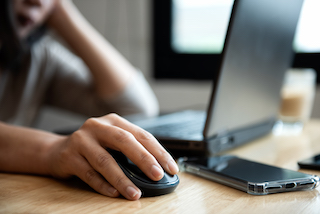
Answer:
(71, 87)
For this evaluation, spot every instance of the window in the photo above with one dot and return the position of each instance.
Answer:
(188, 37)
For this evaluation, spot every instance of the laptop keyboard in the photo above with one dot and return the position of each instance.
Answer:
(182, 125)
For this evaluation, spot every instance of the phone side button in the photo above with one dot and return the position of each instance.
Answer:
(192, 169)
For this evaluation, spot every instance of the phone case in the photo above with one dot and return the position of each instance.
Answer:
(262, 188)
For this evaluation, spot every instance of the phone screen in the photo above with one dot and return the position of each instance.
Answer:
(246, 170)
(249, 176)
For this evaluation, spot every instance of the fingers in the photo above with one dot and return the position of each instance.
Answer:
(137, 144)
(148, 141)
(101, 161)
(125, 142)
(89, 175)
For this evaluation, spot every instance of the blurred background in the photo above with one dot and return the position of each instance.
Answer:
(128, 25)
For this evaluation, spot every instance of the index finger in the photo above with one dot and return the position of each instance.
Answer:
(148, 141)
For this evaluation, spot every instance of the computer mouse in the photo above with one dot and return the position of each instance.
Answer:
(147, 186)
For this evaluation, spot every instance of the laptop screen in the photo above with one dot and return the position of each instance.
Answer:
(256, 54)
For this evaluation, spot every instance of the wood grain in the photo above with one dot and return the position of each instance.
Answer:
(35, 194)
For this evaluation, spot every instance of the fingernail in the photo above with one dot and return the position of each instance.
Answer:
(132, 192)
(156, 172)
(173, 167)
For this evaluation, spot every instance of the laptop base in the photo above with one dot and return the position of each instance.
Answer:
(217, 144)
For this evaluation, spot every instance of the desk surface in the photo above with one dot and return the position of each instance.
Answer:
(36, 194)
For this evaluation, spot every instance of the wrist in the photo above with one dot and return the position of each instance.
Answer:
(51, 157)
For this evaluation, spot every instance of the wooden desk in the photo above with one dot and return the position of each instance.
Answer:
(36, 194)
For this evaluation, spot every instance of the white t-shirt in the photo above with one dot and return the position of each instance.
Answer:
(57, 77)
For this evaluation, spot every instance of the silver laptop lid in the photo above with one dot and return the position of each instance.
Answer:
(257, 52)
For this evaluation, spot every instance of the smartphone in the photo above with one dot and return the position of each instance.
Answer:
(311, 163)
(248, 176)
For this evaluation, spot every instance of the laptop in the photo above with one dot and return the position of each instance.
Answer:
(246, 91)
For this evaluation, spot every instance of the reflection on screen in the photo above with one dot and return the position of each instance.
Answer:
(199, 26)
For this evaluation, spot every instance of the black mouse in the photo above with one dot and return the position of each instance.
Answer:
(147, 186)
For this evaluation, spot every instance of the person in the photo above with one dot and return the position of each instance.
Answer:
(96, 81)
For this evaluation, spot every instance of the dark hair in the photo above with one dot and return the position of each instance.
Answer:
(14, 50)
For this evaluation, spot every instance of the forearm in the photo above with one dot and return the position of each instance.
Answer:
(25, 150)
(111, 71)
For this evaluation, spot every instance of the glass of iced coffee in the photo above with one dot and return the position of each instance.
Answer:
(297, 94)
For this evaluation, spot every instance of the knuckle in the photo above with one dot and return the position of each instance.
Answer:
(123, 136)
(90, 175)
(144, 157)
(163, 153)
(103, 160)
(145, 136)
(120, 181)
(91, 122)
(77, 140)
(77, 136)
(112, 117)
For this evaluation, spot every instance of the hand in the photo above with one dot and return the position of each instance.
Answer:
(59, 11)
(83, 154)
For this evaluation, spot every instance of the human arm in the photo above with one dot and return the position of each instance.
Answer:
(118, 85)
(83, 154)
(111, 71)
